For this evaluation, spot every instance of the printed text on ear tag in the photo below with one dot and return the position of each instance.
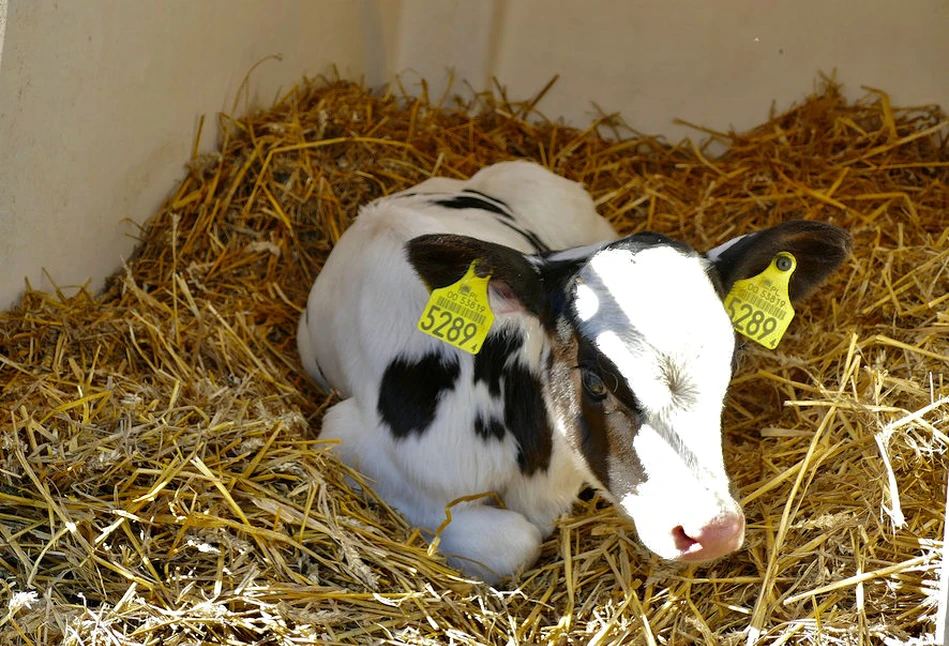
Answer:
(459, 314)
(759, 307)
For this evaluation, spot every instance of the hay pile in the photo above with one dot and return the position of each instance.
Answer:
(161, 477)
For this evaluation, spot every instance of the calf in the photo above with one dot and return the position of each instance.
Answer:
(607, 363)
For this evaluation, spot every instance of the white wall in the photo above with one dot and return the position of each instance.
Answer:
(99, 98)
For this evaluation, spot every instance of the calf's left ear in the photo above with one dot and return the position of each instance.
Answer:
(818, 247)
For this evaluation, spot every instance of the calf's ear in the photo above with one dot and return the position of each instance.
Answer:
(818, 247)
(442, 259)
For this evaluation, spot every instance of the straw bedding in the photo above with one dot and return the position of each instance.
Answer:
(162, 479)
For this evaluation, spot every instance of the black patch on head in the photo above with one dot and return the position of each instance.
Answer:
(645, 239)
(594, 438)
(492, 428)
(490, 361)
(471, 202)
(612, 378)
(560, 286)
(525, 416)
(410, 392)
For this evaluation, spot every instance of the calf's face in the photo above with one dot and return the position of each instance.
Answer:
(641, 354)
(648, 355)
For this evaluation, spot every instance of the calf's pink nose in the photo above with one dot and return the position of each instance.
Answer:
(721, 536)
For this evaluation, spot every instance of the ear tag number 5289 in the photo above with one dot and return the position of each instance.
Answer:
(459, 314)
(759, 307)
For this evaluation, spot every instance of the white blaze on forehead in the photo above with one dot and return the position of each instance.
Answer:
(660, 321)
(586, 302)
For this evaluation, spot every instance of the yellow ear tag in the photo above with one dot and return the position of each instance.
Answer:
(759, 307)
(459, 314)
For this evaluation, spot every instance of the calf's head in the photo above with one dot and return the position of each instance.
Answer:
(640, 354)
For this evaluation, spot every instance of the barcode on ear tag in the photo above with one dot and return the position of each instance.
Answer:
(459, 314)
(759, 307)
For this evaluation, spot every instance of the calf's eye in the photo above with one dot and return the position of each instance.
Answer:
(593, 385)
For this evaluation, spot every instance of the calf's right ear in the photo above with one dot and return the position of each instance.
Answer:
(442, 259)
(818, 247)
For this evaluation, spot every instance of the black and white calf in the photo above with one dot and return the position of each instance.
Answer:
(607, 363)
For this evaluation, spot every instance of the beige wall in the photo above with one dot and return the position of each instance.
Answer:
(99, 101)
(721, 62)
(99, 98)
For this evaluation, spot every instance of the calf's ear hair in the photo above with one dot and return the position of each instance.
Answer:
(818, 247)
(442, 259)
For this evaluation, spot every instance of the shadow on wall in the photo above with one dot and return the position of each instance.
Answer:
(3, 26)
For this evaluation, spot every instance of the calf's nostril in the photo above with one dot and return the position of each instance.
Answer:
(683, 542)
(717, 538)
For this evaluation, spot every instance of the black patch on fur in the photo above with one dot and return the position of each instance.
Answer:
(489, 197)
(492, 428)
(471, 202)
(525, 413)
(525, 416)
(490, 362)
(530, 236)
(410, 392)
(475, 200)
